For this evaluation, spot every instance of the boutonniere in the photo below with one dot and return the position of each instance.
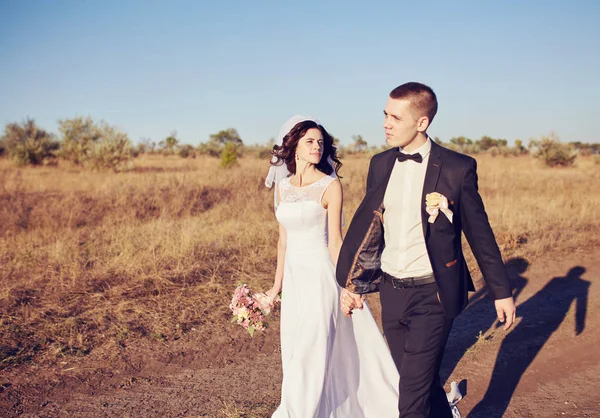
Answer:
(434, 203)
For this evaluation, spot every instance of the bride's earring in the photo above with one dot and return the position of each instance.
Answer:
(297, 158)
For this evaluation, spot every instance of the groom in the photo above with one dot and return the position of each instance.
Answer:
(405, 242)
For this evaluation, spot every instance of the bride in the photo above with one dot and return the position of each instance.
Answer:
(333, 366)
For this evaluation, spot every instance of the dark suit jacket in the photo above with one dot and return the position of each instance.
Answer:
(453, 175)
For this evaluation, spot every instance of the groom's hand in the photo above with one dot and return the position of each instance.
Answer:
(350, 301)
(505, 308)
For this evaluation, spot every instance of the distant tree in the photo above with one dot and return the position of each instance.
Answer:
(461, 144)
(226, 136)
(171, 141)
(585, 148)
(460, 141)
(26, 143)
(168, 146)
(437, 140)
(519, 147)
(186, 151)
(519, 144)
(359, 144)
(216, 143)
(145, 146)
(486, 142)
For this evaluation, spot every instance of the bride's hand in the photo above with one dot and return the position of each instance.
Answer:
(350, 301)
(272, 294)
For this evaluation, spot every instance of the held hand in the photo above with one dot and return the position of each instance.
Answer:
(347, 305)
(506, 311)
(350, 301)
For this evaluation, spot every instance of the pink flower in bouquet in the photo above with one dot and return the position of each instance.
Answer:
(249, 310)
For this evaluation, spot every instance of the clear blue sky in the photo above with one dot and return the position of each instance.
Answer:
(509, 69)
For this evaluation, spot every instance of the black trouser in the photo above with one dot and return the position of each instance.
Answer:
(416, 331)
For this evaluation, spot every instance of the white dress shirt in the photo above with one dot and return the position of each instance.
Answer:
(405, 253)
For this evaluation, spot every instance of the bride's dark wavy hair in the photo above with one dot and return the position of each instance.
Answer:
(286, 152)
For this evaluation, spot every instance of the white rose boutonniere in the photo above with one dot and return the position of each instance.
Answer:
(434, 203)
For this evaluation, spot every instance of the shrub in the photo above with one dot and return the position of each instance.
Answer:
(145, 146)
(585, 149)
(26, 143)
(210, 149)
(186, 151)
(112, 152)
(169, 145)
(485, 143)
(78, 138)
(552, 152)
(229, 155)
(504, 151)
(96, 146)
(465, 148)
(519, 148)
(262, 152)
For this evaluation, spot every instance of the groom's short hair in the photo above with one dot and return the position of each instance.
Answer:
(422, 98)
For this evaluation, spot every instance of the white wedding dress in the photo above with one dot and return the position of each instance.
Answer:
(333, 366)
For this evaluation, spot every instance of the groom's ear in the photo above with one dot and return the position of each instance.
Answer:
(422, 124)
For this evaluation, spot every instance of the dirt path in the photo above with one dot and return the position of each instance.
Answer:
(547, 366)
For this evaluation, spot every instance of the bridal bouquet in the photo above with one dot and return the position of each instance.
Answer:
(250, 309)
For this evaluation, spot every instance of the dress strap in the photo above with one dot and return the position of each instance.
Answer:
(325, 185)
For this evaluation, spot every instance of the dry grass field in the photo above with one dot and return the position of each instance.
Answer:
(98, 262)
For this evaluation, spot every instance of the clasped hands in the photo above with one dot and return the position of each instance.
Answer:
(350, 301)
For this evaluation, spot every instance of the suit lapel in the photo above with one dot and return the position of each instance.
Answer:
(432, 174)
(378, 192)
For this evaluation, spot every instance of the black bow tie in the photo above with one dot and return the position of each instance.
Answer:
(415, 157)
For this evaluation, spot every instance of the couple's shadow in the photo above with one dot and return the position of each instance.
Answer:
(539, 316)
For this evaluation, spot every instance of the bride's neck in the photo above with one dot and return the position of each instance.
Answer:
(305, 171)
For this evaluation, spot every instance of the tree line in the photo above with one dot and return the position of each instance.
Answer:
(98, 145)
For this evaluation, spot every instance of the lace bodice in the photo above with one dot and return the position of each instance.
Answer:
(313, 191)
(301, 213)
